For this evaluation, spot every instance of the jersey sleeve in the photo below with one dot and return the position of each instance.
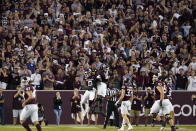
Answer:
(123, 87)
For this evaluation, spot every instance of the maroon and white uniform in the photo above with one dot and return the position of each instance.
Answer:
(126, 103)
(157, 93)
(89, 94)
(31, 108)
(168, 91)
(164, 109)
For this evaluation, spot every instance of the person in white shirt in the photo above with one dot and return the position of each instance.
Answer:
(192, 65)
(113, 11)
(170, 47)
(192, 81)
(35, 79)
(183, 66)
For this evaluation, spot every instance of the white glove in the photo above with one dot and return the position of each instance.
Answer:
(116, 103)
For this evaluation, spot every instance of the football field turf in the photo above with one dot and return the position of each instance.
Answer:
(92, 128)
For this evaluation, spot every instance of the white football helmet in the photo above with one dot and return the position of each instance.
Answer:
(24, 81)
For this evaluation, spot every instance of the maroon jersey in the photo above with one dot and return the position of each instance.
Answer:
(157, 93)
(128, 90)
(90, 82)
(30, 88)
(75, 104)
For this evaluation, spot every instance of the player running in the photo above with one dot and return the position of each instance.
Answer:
(126, 94)
(161, 103)
(30, 108)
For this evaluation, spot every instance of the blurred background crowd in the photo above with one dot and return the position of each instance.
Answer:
(60, 43)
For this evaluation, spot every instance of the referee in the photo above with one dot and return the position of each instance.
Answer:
(112, 96)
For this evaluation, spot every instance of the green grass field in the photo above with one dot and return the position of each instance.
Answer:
(92, 128)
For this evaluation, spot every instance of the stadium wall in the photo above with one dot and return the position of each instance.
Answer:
(185, 108)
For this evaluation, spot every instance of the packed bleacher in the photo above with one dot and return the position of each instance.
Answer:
(58, 43)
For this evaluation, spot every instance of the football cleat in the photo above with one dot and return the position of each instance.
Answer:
(122, 128)
(162, 128)
(130, 128)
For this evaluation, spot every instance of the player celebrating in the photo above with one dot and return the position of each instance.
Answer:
(126, 94)
(90, 93)
(100, 95)
(30, 108)
(161, 101)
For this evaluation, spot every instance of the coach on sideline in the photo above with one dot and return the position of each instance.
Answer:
(112, 95)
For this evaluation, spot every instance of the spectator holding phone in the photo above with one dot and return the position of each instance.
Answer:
(57, 107)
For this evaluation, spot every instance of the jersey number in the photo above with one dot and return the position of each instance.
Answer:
(90, 83)
(128, 92)
(28, 89)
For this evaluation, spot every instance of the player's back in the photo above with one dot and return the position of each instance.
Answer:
(157, 93)
(33, 91)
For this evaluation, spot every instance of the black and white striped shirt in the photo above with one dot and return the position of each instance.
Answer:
(111, 92)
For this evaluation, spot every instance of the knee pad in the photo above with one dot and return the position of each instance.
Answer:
(167, 116)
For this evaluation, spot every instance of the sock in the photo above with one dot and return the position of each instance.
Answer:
(38, 127)
(26, 126)
(153, 120)
(172, 126)
(129, 125)
(123, 123)
(162, 123)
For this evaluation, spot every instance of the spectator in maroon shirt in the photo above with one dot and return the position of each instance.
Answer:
(70, 79)
(77, 83)
(60, 80)
(142, 79)
(4, 75)
(48, 79)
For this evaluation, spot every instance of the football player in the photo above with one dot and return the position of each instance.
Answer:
(90, 93)
(30, 108)
(126, 94)
(161, 103)
(168, 90)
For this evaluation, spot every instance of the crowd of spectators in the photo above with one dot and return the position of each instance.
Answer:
(54, 42)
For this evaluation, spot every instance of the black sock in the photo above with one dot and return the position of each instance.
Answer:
(163, 123)
(26, 126)
(38, 127)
